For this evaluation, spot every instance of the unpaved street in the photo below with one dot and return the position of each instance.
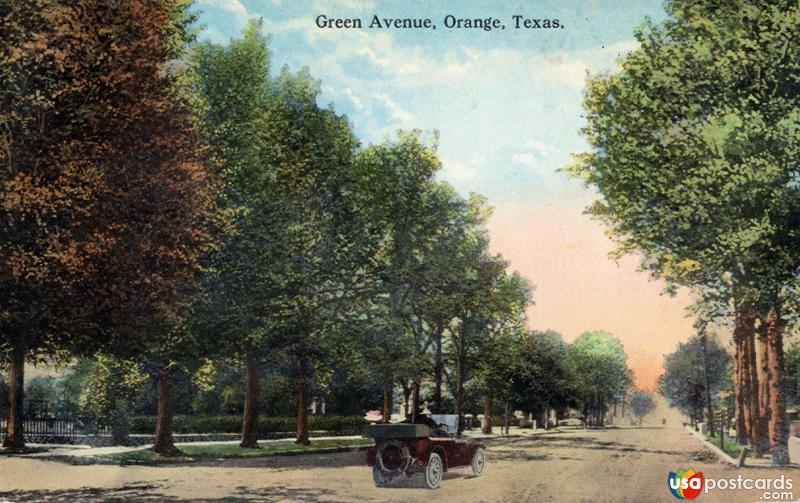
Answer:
(614, 465)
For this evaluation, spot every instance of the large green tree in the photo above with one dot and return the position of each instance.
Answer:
(407, 208)
(694, 153)
(104, 192)
(540, 383)
(693, 378)
(597, 372)
(233, 84)
(496, 361)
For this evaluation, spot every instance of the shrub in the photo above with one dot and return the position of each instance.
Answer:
(233, 424)
(498, 420)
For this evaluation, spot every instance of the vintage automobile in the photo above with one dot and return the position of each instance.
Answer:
(402, 449)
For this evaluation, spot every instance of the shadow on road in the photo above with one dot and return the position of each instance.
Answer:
(151, 493)
(559, 447)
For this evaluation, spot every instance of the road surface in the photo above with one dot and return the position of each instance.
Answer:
(614, 465)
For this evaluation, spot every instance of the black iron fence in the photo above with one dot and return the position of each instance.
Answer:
(55, 430)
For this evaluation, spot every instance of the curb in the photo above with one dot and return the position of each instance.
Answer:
(724, 456)
(89, 460)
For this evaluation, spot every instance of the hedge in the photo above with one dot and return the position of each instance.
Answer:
(498, 420)
(233, 424)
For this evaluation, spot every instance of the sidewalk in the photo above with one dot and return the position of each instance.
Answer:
(80, 451)
(763, 462)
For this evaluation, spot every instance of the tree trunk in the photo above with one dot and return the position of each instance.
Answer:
(302, 402)
(486, 426)
(601, 413)
(387, 399)
(120, 422)
(760, 443)
(754, 398)
(778, 427)
(438, 371)
(164, 444)
(15, 436)
(541, 419)
(743, 335)
(414, 400)
(460, 364)
(252, 389)
(406, 398)
(506, 419)
(709, 408)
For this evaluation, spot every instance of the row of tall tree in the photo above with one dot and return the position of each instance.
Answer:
(167, 204)
(694, 151)
(173, 202)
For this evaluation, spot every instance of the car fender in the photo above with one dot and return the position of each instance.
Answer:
(441, 452)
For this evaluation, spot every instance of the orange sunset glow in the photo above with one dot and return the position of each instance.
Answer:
(578, 288)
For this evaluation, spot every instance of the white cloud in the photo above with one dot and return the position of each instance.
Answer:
(330, 6)
(214, 35)
(355, 100)
(455, 171)
(235, 7)
(396, 112)
(540, 148)
(525, 158)
(346, 93)
(518, 105)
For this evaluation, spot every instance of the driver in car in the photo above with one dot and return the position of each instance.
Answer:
(437, 430)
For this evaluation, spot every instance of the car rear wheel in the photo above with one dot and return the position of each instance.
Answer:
(380, 477)
(434, 471)
(478, 461)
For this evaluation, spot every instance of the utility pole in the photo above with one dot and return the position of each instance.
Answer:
(710, 410)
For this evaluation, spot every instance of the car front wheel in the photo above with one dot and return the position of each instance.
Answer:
(478, 461)
(380, 477)
(434, 471)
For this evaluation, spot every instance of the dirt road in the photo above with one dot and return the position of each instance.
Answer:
(614, 465)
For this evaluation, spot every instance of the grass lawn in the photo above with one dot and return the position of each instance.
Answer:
(731, 447)
(191, 453)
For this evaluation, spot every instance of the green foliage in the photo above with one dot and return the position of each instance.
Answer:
(641, 404)
(695, 145)
(498, 360)
(542, 379)
(295, 251)
(597, 370)
(70, 385)
(730, 446)
(113, 388)
(40, 393)
(792, 363)
(683, 382)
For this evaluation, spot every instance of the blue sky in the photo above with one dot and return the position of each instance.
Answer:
(507, 105)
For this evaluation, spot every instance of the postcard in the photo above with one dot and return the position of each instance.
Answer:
(369, 250)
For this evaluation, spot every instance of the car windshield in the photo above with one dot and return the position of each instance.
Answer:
(450, 422)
